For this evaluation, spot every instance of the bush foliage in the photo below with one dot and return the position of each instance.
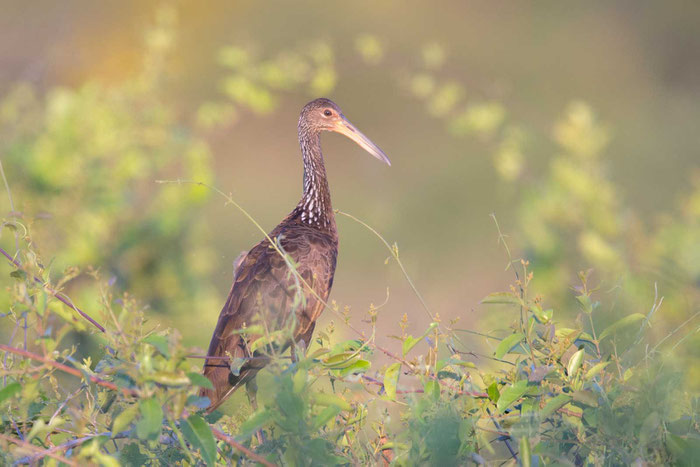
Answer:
(578, 394)
(599, 372)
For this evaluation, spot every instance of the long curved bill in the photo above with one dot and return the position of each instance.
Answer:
(348, 129)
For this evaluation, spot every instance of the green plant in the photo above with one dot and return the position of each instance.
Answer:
(601, 373)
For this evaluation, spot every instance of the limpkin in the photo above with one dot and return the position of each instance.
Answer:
(263, 287)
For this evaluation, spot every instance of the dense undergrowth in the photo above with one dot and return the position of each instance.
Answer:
(602, 371)
(555, 392)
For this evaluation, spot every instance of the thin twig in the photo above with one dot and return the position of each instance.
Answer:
(395, 255)
(31, 447)
(4, 361)
(569, 413)
(675, 330)
(64, 403)
(63, 298)
(236, 445)
(67, 369)
(12, 204)
(67, 445)
(505, 439)
(477, 333)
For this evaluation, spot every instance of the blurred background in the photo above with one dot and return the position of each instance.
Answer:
(576, 125)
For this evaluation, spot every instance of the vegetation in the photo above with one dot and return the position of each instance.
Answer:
(600, 372)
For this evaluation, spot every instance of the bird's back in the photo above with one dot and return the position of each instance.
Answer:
(264, 295)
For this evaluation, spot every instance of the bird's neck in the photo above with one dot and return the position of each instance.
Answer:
(314, 208)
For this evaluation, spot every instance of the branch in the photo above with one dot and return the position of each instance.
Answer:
(569, 413)
(505, 439)
(67, 369)
(67, 445)
(40, 451)
(236, 445)
(66, 301)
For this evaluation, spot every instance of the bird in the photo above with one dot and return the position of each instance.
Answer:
(265, 293)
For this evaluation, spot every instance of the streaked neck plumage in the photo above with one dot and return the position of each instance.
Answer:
(314, 208)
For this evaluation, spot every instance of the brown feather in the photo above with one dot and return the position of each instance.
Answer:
(263, 288)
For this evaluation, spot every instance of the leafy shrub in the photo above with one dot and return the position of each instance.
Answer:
(554, 393)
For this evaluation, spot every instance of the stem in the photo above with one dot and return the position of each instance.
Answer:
(12, 204)
(67, 369)
(66, 301)
(41, 452)
(236, 445)
(505, 440)
(395, 255)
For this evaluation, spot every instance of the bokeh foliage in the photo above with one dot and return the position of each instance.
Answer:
(589, 368)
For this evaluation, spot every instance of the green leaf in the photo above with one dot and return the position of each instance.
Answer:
(408, 343)
(511, 394)
(324, 416)
(590, 374)
(322, 398)
(130, 455)
(160, 343)
(198, 434)
(9, 391)
(555, 404)
(411, 341)
(18, 274)
(575, 362)
(505, 298)
(169, 379)
(38, 427)
(40, 301)
(462, 363)
(586, 397)
(493, 393)
(359, 366)
(352, 345)
(124, 419)
(626, 321)
(341, 360)
(585, 302)
(255, 329)
(270, 339)
(317, 353)
(151, 419)
(391, 379)
(542, 316)
(431, 388)
(255, 422)
(507, 344)
(200, 380)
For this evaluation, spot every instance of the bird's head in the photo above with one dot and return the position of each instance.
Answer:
(324, 115)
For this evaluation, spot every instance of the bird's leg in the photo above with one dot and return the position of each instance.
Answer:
(251, 388)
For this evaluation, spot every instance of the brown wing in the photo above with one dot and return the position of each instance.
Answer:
(264, 292)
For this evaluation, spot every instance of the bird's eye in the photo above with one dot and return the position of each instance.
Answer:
(327, 113)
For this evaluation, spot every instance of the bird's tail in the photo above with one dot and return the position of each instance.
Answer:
(225, 382)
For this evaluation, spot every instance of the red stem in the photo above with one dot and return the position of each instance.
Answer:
(235, 444)
(67, 369)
